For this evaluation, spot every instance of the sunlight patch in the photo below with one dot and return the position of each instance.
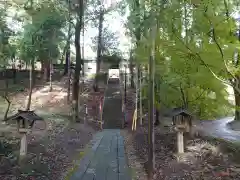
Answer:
(118, 92)
(198, 150)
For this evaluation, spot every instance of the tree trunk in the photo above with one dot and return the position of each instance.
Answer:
(46, 70)
(131, 73)
(34, 75)
(67, 60)
(30, 85)
(62, 58)
(50, 76)
(67, 51)
(82, 53)
(140, 99)
(77, 70)
(8, 107)
(6, 99)
(136, 97)
(69, 74)
(157, 122)
(138, 85)
(99, 49)
(20, 65)
(151, 134)
(78, 61)
(42, 69)
(237, 105)
(26, 65)
(14, 71)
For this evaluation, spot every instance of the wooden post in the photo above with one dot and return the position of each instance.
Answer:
(180, 142)
(23, 145)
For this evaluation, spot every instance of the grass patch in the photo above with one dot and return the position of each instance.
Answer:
(76, 164)
(91, 76)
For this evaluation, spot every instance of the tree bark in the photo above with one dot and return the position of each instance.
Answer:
(140, 99)
(30, 85)
(131, 73)
(157, 122)
(99, 49)
(69, 75)
(8, 107)
(66, 61)
(50, 76)
(78, 61)
(82, 52)
(14, 71)
(5, 96)
(46, 69)
(237, 105)
(67, 51)
(77, 69)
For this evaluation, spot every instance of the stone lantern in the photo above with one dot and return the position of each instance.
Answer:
(182, 121)
(25, 121)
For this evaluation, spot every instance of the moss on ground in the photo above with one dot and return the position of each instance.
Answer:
(76, 164)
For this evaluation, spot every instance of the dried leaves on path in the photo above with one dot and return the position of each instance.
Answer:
(203, 160)
(51, 149)
(52, 156)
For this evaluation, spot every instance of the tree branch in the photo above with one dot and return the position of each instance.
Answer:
(183, 96)
(218, 46)
(200, 58)
(198, 97)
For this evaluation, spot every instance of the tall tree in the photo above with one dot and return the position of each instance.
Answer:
(182, 54)
(5, 54)
(97, 15)
(79, 8)
(99, 47)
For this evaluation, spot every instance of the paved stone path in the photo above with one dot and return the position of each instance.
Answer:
(105, 159)
(219, 129)
(112, 108)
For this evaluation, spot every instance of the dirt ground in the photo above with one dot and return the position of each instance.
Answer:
(52, 147)
(203, 160)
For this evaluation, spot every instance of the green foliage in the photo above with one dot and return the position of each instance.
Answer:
(194, 52)
(5, 34)
(113, 60)
(110, 43)
(42, 35)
